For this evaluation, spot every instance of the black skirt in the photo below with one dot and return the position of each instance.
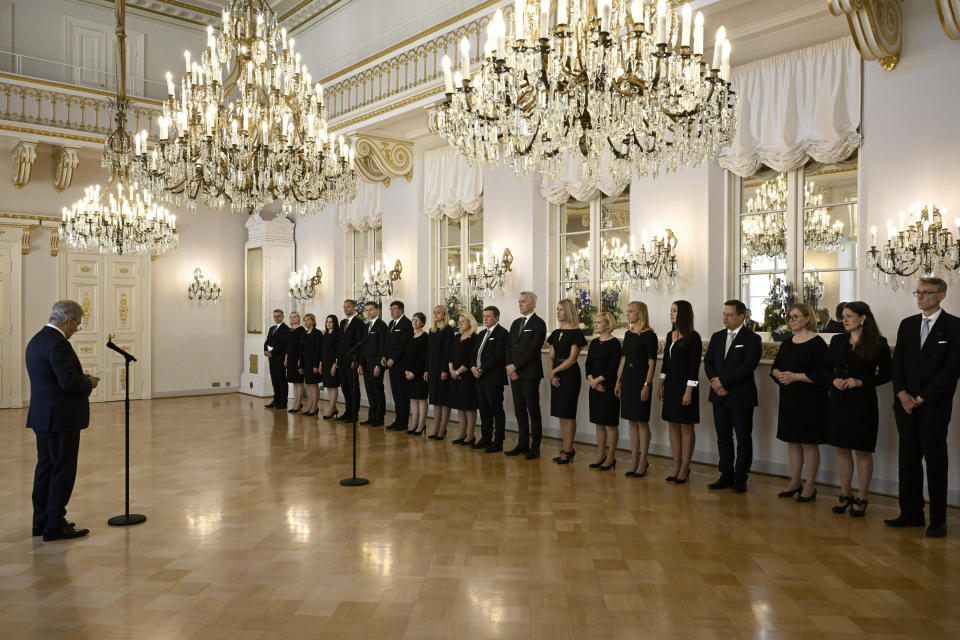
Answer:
(463, 393)
(802, 415)
(681, 365)
(293, 355)
(638, 351)
(329, 380)
(438, 356)
(564, 399)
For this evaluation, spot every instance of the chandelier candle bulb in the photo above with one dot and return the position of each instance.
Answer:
(544, 19)
(718, 47)
(725, 61)
(186, 57)
(562, 16)
(873, 236)
(685, 38)
(636, 11)
(698, 34)
(604, 8)
(519, 18)
(465, 58)
(661, 22)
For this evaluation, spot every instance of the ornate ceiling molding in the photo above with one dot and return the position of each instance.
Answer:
(291, 13)
(380, 159)
(23, 156)
(876, 27)
(949, 11)
(65, 160)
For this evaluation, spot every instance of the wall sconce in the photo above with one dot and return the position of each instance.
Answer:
(302, 286)
(203, 287)
(379, 283)
(487, 275)
(643, 266)
(922, 244)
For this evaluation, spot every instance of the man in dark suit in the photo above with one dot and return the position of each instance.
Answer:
(369, 365)
(926, 365)
(525, 369)
(750, 323)
(275, 348)
(352, 332)
(491, 376)
(836, 326)
(59, 410)
(731, 359)
(399, 334)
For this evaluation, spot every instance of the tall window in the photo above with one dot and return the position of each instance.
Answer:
(587, 231)
(365, 249)
(797, 239)
(459, 242)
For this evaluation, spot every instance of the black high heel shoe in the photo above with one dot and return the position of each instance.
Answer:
(310, 413)
(789, 493)
(673, 478)
(845, 501)
(467, 443)
(565, 457)
(607, 467)
(809, 498)
(597, 464)
(683, 480)
(333, 415)
(859, 513)
(297, 410)
(645, 469)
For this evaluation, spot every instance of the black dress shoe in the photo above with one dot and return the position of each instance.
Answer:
(937, 530)
(533, 454)
(457, 441)
(38, 531)
(740, 486)
(297, 410)
(482, 443)
(344, 418)
(494, 447)
(367, 422)
(723, 482)
(397, 427)
(281, 407)
(789, 493)
(904, 521)
(376, 423)
(516, 451)
(270, 406)
(66, 532)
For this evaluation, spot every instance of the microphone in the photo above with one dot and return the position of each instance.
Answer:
(126, 356)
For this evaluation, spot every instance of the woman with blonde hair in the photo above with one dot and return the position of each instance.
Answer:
(292, 361)
(436, 375)
(603, 358)
(311, 354)
(463, 386)
(635, 384)
(564, 375)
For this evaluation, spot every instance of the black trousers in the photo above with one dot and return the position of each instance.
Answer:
(923, 436)
(493, 420)
(376, 397)
(278, 378)
(401, 399)
(350, 382)
(54, 477)
(526, 402)
(730, 420)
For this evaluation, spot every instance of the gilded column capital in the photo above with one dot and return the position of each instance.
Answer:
(379, 159)
(876, 27)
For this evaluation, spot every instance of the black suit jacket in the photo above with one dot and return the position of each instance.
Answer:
(736, 369)
(930, 372)
(371, 350)
(526, 341)
(492, 360)
(59, 391)
(835, 326)
(348, 337)
(399, 334)
(277, 338)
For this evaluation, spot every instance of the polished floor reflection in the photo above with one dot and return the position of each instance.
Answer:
(250, 535)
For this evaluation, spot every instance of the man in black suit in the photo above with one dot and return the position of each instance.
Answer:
(525, 369)
(491, 376)
(370, 365)
(731, 359)
(926, 365)
(836, 326)
(275, 348)
(352, 332)
(399, 334)
(59, 410)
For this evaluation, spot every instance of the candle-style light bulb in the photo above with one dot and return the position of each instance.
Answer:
(718, 47)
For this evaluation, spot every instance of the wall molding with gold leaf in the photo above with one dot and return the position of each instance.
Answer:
(379, 159)
(949, 11)
(876, 27)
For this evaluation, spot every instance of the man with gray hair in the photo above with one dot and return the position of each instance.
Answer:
(525, 370)
(59, 410)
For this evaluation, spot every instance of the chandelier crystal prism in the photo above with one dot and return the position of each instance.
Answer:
(250, 127)
(618, 84)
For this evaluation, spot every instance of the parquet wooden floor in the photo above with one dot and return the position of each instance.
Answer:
(250, 535)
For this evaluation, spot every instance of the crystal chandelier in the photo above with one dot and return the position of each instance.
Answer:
(765, 235)
(924, 246)
(304, 286)
(249, 127)
(487, 275)
(656, 259)
(812, 288)
(577, 265)
(610, 79)
(203, 287)
(379, 282)
(127, 222)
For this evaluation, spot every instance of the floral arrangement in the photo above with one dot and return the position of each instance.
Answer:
(454, 306)
(775, 315)
(585, 309)
(476, 307)
(610, 301)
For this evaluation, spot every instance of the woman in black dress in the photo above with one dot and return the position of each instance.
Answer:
(437, 377)
(328, 368)
(414, 372)
(635, 384)
(292, 361)
(309, 358)
(798, 370)
(565, 344)
(679, 379)
(463, 386)
(857, 362)
(603, 358)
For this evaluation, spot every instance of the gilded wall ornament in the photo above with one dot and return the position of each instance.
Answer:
(380, 159)
(949, 11)
(23, 156)
(876, 27)
(65, 161)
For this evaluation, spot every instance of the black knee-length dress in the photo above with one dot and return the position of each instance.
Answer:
(603, 359)
(329, 358)
(415, 361)
(563, 399)
(639, 350)
(293, 355)
(438, 355)
(463, 391)
(311, 344)
(853, 418)
(681, 363)
(802, 415)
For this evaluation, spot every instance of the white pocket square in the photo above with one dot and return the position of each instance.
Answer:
(942, 342)
(490, 339)
(738, 346)
(525, 330)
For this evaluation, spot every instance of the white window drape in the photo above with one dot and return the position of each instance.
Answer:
(453, 187)
(794, 106)
(364, 212)
(571, 183)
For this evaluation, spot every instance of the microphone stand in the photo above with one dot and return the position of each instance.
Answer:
(354, 481)
(127, 518)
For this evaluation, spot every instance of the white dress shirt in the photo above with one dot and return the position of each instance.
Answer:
(53, 326)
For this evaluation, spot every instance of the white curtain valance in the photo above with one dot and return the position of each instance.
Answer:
(364, 212)
(571, 183)
(798, 105)
(453, 187)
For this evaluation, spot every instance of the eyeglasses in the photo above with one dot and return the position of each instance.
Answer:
(919, 293)
(794, 317)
